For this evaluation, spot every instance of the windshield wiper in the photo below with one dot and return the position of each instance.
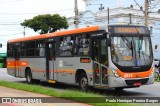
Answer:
(127, 42)
(140, 39)
(140, 44)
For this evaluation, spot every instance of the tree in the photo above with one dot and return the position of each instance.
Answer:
(46, 23)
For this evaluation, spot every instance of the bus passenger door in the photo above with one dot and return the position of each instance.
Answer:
(100, 61)
(16, 62)
(50, 57)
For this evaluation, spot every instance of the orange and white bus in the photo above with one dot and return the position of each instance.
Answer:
(111, 56)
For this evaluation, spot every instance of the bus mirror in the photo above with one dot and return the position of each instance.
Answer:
(0, 45)
(156, 48)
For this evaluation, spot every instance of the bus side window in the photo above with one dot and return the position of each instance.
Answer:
(66, 46)
(32, 48)
(10, 51)
(82, 45)
(36, 49)
(27, 49)
(41, 48)
(23, 49)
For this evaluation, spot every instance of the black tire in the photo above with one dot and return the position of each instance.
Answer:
(83, 82)
(29, 76)
(156, 76)
(35, 81)
(119, 89)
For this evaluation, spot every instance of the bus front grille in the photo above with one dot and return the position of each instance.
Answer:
(132, 82)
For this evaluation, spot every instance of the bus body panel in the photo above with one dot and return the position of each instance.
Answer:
(36, 65)
(51, 70)
(130, 82)
(151, 79)
(67, 67)
(10, 66)
(63, 69)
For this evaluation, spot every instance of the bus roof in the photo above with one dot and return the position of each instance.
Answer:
(61, 33)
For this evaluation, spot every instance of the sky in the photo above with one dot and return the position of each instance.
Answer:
(14, 12)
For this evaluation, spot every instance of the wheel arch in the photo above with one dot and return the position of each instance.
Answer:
(26, 69)
(79, 72)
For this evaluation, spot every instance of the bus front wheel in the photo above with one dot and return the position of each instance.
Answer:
(83, 82)
(29, 76)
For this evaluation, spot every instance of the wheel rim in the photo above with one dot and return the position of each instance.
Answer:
(84, 83)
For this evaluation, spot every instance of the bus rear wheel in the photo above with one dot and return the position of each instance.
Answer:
(29, 76)
(83, 82)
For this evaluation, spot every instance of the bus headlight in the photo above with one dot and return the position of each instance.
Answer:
(115, 73)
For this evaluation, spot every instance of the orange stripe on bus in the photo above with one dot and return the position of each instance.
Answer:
(135, 74)
(23, 63)
(67, 71)
(19, 63)
(55, 71)
(10, 63)
(61, 33)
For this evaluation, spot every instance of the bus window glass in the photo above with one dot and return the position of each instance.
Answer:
(32, 48)
(32, 44)
(136, 52)
(41, 48)
(103, 52)
(23, 49)
(66, 46)
(103, 47)
(143, 51)
(36, 49)
(27, 49)
(82, 45)
(10, 52)
(50, 51)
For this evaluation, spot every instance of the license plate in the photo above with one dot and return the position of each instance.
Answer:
(137, 84)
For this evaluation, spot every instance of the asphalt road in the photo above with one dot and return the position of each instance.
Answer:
(143, 91)
(4, 76)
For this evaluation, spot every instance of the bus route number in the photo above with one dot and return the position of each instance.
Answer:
(128, 75)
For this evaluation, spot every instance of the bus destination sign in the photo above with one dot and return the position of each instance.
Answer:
(134, 30)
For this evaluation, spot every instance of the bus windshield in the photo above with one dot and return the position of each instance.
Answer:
(131, 51)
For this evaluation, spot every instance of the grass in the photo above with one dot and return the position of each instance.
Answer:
(157, 80)
(75, 95)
